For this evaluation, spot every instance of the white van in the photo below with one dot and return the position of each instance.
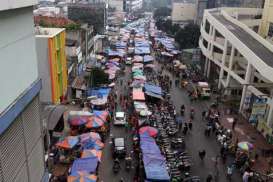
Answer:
(203, 89)
(120, 118)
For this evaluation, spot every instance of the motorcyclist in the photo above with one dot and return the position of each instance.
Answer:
(192, 113)
(128, 162)
(116, 166)
(182, 109)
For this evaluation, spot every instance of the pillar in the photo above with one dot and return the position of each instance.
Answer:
(247, 82)
(231, 58)
(208, 69)
(270, 115)
(205, 66)
(222, 64)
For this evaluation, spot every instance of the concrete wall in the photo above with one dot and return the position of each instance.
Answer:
(267, 18)
(43, 69)
(18, 65)
(183, 11)
(13, 4)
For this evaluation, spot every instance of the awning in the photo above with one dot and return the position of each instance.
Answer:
(153, 95)
(52, 114)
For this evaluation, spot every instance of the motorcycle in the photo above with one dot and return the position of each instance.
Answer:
(192, 115)
(128, 163)
(116, 167)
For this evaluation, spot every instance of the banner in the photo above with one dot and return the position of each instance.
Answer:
(258, 110)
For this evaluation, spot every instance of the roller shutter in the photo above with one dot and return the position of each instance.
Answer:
(12, 150)
(36, 162)
(32, 124)
(23, 175)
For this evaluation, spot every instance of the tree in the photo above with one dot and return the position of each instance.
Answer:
(188, 36)
(162, 13)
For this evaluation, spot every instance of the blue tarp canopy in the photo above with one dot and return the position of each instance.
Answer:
(154, 95)
(154, 162)
(142, 50)
(88, 165)
(153, 89)
(99, 92)
(148, 58)
(115, 53)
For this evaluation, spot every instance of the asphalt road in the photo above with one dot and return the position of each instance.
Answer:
(105, 169)
(195, 141)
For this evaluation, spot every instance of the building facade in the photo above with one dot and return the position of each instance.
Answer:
(240, 61)
(183, 12)
(266, 28)
(22, 152)
(50, 46)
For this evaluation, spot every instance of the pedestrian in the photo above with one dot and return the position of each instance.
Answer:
(185, 129)
(203, 114)
(190, 124)
(209, 178)
(171, 83)
(234, 123)
(180, 126)
(202, 154)
(229, 172)
(120, 82)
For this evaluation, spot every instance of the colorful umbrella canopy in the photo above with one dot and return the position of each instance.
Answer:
(89, 136)
(101, 114)
(92, 153)
(68, 142)
(82, 177)
(245, 146)
(94, 122)
(93, 144)
(145, 113)
(77, 121)
(149, 130)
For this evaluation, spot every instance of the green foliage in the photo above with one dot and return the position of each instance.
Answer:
(162, 13)
(160, 3)
(72, 26)
(188, 36)
(98, 77)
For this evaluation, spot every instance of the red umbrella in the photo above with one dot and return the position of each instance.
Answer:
(149, 130)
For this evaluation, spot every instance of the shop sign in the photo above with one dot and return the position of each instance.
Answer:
(258, 110)
(78, 94)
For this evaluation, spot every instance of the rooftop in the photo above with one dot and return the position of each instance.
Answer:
(47, 32)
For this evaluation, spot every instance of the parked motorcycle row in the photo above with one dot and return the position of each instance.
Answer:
(173, 146)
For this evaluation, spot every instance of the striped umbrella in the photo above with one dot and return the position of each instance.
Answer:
(245, 146)
(68, 143)
(77, 121)
(91, 144)
(82, 177)
(92, 153)
(91, 135)
(94, 122)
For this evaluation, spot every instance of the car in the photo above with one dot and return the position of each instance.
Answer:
(120, 118)
(118, 148)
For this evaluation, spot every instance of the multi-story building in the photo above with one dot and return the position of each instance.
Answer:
(266, 28)
(22, 152)
(52, 67)
(240, 60)
(133, 5)
(117, 5)
(183, 12)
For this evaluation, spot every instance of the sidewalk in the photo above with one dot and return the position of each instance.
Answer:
(244, 131)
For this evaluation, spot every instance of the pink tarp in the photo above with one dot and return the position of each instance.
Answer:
(138, 95)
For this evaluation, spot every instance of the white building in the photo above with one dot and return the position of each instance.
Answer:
(240, 60)
(183, 12)
(133, 5)
(117, 5)
(21, 141)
